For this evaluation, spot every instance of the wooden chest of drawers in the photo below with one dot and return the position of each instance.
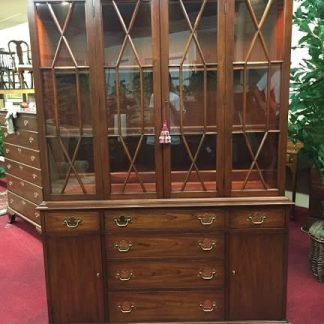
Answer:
(167, 264)
(22, 163)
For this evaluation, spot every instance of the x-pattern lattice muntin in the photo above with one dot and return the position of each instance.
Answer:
(63, 40)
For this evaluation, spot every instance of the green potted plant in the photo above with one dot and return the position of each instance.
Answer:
(306, 113)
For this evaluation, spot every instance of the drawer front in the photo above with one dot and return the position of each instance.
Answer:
(22, 155)
(166, 274)
(71, 222)
(23, 121)
(166, 306)
(193, 245)
(24, 172)
(25, 189)
(23, 207)
(257, 218)
(21, 137)
(164, 219)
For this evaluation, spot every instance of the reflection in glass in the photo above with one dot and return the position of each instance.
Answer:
(49, 34)
(140, 34)
(246, 29)
(71, 165)
(206, 32)
(254, 161)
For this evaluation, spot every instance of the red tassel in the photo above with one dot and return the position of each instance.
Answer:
(165, 137)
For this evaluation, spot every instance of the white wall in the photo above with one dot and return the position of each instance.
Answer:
(19, 32)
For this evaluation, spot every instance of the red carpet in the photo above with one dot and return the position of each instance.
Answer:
(22, 286)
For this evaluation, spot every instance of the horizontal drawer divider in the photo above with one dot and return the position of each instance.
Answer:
(216, 290)
(163, 258)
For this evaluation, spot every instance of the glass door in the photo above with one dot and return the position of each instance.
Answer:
(190, 102)
(132, 101)
(65, 92)
(256, 95)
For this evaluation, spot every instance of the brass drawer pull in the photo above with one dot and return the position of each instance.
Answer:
(72, 222)
(11, 201)
(19, 149)
(31, 139)
(123, 246)
(5, 134)
(26, 122)
(36, 194)
(23, 202)
(206, 218)
(257, 219)
(22, 183)
(207, 245)
(208, 306)
(34, 176)
(122, 221)
(10, 183)
(21, 167)
(125, 275)
(126, 308)
(206, 276)
(37, 214)
(7, 150)
(33, 158)
(8, 166)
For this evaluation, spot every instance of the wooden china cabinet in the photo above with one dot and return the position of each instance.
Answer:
(135, 230)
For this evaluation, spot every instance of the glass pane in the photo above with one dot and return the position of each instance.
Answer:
(132, 164)
(71, 165)
(254, 161)
(203, 47)
(115, 36)
(196, 169)
(74, 50)
(268, 45)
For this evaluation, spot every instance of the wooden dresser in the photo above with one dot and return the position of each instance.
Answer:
(162, 127)
(23, 173)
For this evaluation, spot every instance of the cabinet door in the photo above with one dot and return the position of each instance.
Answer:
(65, 104)
(257, 275)
(193, 61)
(258, 96)
(74, 279)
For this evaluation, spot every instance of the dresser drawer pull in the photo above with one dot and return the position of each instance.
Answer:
(126, 308)
(122, 221)
(22, 183)
(21, 167)
(257, 219)
(10, 183)
(32, 158)
(19, 149)
(7, 150)
(207, 276)
(208, 306)
(206, 219)
(123, 246)
(5, 134)
(8, 166)
(23, 202)
(31, 140)
(34, 176)
(11, 201)
(36, 194)
(72, 222)
(37, 214)
(26, 122)
(124, 275)
(207, 245)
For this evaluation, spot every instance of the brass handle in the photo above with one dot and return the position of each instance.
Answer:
(19, 149)
(5, 134)
(206, 218)
(26, 122)
(37, 214)
(23, 202)
(72, 222)
(125, 275)
(10, 183)
(22, 183)
(208, 306)
(126, 308)
(7, 150)
(122, 221)
(36, 194)
(257, 219)
(233, 273)
(123, 246)
(31, 140)
(33, 158)
(34, 176)
(207, 245)
(11, 201)
(8, 166)
(207, 276)
(21, 167)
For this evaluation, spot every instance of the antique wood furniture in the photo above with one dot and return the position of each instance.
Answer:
(139, 227)
(21, 153)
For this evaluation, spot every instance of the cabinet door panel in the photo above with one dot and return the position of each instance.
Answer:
(74, 279)
(258, 272)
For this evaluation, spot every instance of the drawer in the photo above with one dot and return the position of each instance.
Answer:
(164, 219)
(21, 137)
(167, 245)
(24, 172)
(25, 189)
(166, 306)
(71, 222)
(23, 121)
(257, 218)
(23, 206)
(166, 275)
(22, 155)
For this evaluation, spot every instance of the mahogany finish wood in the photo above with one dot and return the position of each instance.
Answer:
(194, 231)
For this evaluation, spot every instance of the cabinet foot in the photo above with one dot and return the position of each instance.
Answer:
(11, 218)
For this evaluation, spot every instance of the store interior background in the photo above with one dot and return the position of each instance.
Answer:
(14, 26)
